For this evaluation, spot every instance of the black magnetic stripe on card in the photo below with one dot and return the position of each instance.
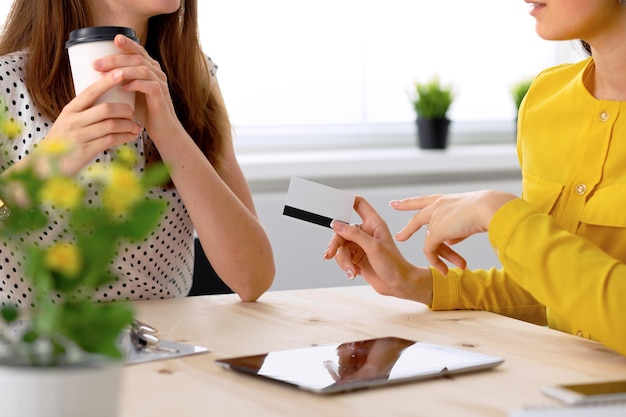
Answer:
(307, 216)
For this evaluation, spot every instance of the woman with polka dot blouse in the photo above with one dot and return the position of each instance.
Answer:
(179, 119)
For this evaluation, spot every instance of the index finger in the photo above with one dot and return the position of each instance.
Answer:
(130, 47)
(365, 210)
(371, 222)
(414, 203)
(345, 232)
(87, 98)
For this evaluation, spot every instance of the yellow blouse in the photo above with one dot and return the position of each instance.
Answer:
(563, 244)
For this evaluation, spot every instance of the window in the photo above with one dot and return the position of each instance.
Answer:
(330, 72)
(337, 68)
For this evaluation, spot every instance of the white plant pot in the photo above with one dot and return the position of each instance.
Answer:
(77, 391)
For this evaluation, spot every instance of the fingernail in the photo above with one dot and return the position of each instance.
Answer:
(337, 225)
(325, 255)
(97, 64)
(394, 203)
(122, 39)
(350, 274)
(117, 74)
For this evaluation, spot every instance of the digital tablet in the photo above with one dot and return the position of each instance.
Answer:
(332, 368)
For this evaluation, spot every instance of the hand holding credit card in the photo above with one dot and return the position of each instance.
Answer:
(317, 203)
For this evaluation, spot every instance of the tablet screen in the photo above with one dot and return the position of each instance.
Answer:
(365, 363)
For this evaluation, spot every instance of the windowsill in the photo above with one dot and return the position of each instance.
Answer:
(262, 139)
(374, 155)
(375, 167)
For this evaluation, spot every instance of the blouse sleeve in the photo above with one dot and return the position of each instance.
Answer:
(582, 285)
(490, 290)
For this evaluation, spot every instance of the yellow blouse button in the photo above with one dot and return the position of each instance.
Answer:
(581, 189)
(604, 116)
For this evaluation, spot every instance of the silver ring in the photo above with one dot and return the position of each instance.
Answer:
(357, 225)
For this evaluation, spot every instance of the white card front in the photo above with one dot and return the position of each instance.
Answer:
(317, 203)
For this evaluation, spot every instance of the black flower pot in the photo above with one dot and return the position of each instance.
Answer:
(432, 133)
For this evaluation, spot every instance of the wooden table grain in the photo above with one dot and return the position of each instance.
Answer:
(195, 386)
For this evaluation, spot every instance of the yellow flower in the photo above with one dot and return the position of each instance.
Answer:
(55, 147)
(64, 258)
(9, 128)
(127, 156)
(122, 191)
(96, 173)
(62, 192)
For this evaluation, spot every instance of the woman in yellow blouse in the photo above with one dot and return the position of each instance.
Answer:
(563, 244)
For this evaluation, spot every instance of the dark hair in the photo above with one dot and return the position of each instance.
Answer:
(586, 47)
(42, 26)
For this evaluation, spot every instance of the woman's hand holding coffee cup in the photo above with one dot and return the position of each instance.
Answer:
(93, 128)
(101, 115)
(107, 70)
(142, 74)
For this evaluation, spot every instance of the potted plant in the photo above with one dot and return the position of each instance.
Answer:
(518, 92)
(431, 102)
(69, 339)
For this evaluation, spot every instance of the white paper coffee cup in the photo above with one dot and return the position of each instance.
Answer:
(88, 44)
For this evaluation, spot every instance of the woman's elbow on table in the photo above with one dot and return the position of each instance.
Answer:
(260, 280)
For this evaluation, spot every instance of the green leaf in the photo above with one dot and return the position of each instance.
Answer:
(85, 220)
(9, 314)
(155, 175)
(24, 220)
(432, 99)
(46, 316)
(146, 216)
(96, 327)
(30, 336)
(64, 283)
(35, 268)
(519, 90)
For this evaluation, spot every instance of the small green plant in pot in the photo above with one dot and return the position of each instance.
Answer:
(518, 92)
(431, 101)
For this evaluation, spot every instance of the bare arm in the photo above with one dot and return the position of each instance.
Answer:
(218, 201)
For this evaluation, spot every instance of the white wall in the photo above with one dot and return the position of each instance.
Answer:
(328, 62)
(5, 5)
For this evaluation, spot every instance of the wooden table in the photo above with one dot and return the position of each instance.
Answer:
(195, 386)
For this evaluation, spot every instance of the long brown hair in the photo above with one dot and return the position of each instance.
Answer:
(42, 26)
